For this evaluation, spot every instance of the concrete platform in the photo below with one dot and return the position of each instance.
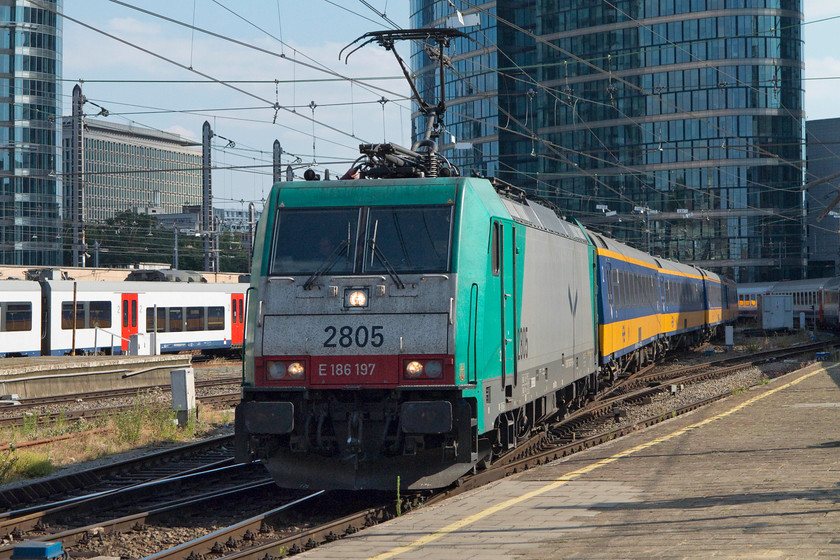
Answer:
(64, 375)
(756, 475)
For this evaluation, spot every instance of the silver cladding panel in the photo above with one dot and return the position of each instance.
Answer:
(294, 335)
(556, 321)
(294, 319)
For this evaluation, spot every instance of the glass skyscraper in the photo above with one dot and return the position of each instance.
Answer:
(674, 125)
(30, 133)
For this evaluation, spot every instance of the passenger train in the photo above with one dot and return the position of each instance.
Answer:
(818, 299)
(56, 317)
(418, 327)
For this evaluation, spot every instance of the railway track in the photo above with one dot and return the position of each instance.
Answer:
(21, 417)
(152, 498)
(166, 463)
(115, 393)
(538, 450)
(276, 528)
(654, 373)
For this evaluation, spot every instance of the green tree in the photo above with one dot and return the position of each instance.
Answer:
(128, 239)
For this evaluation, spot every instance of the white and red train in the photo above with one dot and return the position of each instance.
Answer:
(38, 318)
(818, 299)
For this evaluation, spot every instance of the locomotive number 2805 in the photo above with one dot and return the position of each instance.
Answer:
(348, 336)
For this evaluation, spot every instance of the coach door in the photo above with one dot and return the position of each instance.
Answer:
(505, 234)
(128, 309)
(237, 318)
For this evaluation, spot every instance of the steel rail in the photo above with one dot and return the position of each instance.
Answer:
(76, 535)
(305, 540)
(115, 393)
(682, 376)
(236, 532)
(105, 411)
(32, 518)
(14, 496)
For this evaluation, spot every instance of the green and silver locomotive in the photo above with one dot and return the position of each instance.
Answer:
(411, 328)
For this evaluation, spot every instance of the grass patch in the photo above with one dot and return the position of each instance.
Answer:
(150, 420)
(16, 464)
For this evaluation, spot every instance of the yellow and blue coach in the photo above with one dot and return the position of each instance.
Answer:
(647, 305)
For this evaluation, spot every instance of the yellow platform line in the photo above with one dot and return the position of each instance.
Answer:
(568, 477)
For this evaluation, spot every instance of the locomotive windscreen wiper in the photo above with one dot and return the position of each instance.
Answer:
(377, 252)
(328, 263)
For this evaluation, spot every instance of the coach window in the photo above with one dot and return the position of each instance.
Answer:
(241, 310)
(134, 313)
(100, 314)
(18, 317)
(622, 287)
(176, 319)
(216, 318)
(161, 319)
(150, 320)
(67, 315)
(124, 313)
(195, 318)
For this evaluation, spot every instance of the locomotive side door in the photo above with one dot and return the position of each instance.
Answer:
(128, 319)
(508, 303)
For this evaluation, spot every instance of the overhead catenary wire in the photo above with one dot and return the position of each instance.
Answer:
(635, 172)
(588, 127)
(317, 66)
(269, 104)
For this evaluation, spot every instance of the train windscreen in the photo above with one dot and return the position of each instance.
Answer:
(408, 238)
(307, 240)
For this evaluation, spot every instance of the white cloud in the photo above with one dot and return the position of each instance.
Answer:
(132, 27)
(183, 132)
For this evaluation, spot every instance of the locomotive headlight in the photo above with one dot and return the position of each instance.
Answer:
(296, 370)
(434, 369)
(413, 369)
(356, 298)
(277, 370)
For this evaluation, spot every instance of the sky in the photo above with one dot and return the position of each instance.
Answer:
(143, 88)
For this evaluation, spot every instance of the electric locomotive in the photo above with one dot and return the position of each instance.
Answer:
(409, 327)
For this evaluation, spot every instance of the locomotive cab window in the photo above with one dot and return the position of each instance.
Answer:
(404, 239)
(307, 240)
(408, 238)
